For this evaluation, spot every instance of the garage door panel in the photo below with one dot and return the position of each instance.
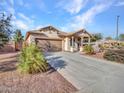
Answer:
(50, 45)
(43, 45)
(56, 45)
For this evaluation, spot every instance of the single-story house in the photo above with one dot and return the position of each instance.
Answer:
(51, 39)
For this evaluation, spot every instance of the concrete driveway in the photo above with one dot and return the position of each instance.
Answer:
(89, 75)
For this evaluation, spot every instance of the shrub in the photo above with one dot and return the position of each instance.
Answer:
(88, 49)
(106, 46)
(101, 47)
(114, 55)
(32, 60)
(122, 44)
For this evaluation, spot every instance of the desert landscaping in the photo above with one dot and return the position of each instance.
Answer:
(61, 46)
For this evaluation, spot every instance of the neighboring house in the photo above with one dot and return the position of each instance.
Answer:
(51, 39)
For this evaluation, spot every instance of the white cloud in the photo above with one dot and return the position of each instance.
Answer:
(7, 6)
(25, 17)
(82, 20)
(40, 26)
(11, 10)
(24, 22)
(21, 25)
(24, 4)
(121, 3)
(72, 6)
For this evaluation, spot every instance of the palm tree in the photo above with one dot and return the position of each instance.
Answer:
(17, 38)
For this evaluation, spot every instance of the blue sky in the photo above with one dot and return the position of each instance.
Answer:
(67, 15)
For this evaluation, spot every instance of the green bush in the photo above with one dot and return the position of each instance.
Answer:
(101, 47)
(32, 60)
(88, 49)
(122, 44)
(114, 55)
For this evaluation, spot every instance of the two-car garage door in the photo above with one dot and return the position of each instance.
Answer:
(49, 45)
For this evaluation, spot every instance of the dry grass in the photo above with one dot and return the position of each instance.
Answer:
(98, 55)
(13, 82)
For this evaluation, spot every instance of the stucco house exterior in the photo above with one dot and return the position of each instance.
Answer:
(51, 39)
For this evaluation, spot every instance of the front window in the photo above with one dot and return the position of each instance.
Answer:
(85, 40)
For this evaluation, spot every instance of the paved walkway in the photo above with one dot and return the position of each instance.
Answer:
(89, 75)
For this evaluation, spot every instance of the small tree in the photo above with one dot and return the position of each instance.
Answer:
(17, 38)
(88, 49)
(5, 29)
(121, 37)
(32, 60)
(97, 36)
(93, 39)
(3, 39)
(108, 38)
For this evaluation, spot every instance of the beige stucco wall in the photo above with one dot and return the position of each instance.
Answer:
(63, 45)
(75, 45)
(67, 44)
(50, 34)
(31, 39)
(84, 35)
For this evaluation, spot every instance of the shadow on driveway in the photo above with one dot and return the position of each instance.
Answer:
(55, 61)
